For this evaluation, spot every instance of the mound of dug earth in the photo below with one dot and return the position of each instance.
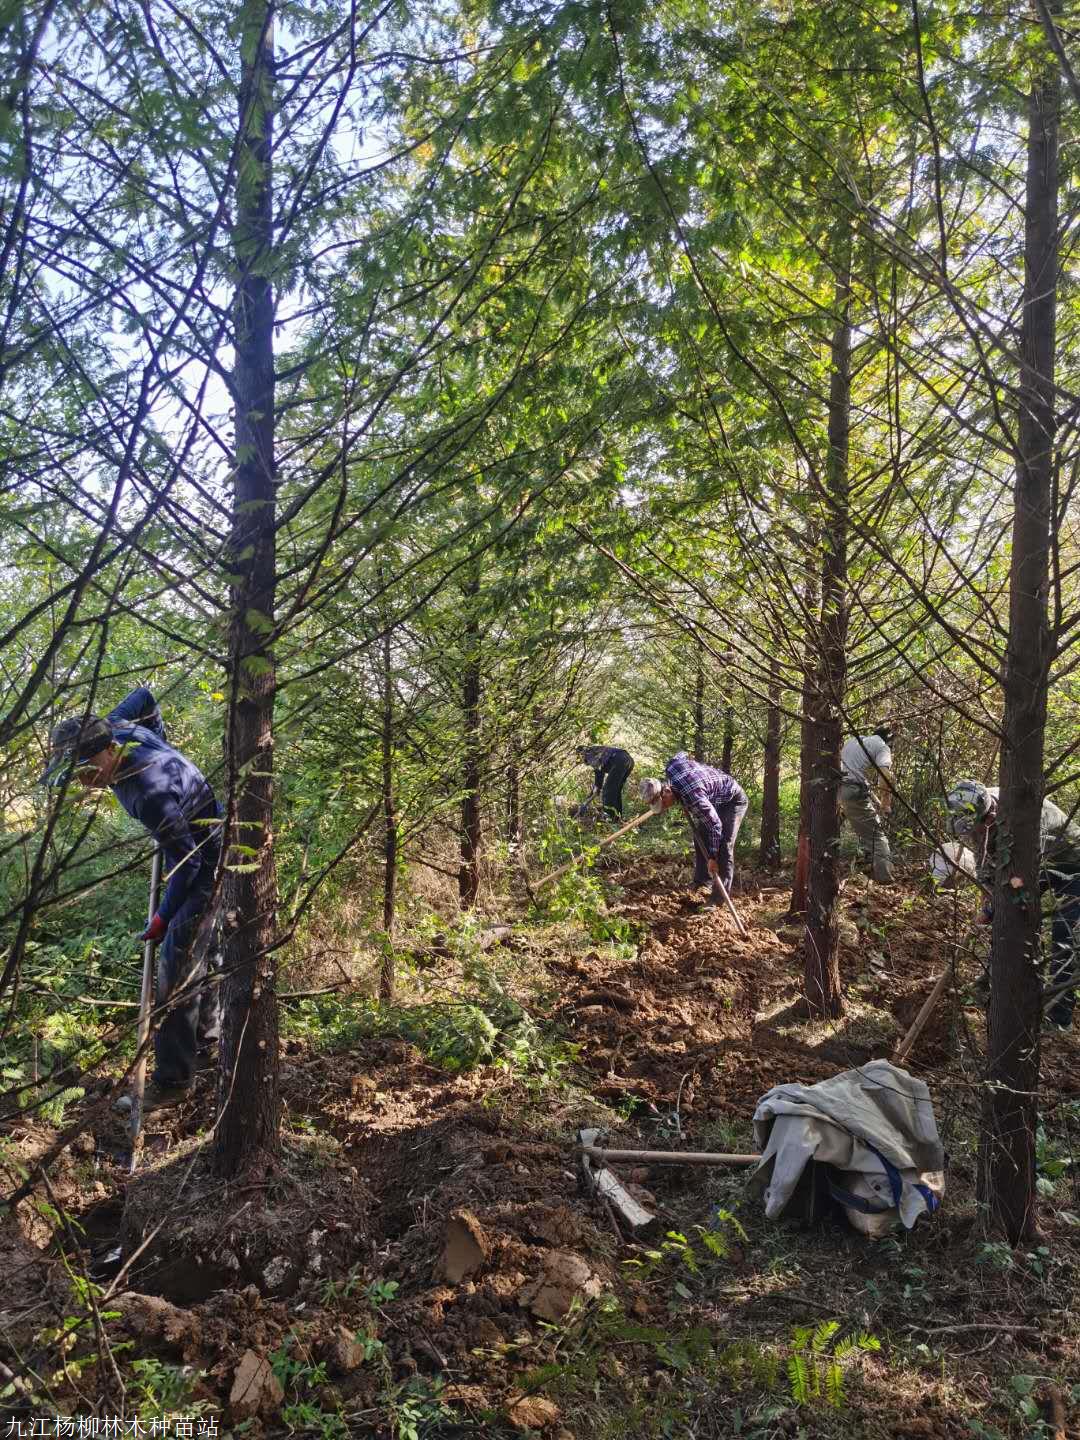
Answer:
(202, 1234)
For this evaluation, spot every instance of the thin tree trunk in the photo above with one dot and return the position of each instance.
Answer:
(247, 1137)
(1008, 1169)
(800, 886)
(699, 704)
(821, 944)
(469, 872)
(729, 739)
(769, 853)
(390, 825)
(513, 805)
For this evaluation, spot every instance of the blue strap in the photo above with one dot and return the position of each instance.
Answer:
(932, 1200)
(896, 1183)
(856, 1202)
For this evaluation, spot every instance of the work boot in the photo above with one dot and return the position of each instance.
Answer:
(156, 1097)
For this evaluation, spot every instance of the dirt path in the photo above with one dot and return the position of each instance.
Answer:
(495, 1278)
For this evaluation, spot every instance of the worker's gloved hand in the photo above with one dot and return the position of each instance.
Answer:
(714, 869)
(155, 931)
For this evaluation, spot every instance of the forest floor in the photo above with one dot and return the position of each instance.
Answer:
(426, 1264)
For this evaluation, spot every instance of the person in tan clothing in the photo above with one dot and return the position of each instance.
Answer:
(866, 796)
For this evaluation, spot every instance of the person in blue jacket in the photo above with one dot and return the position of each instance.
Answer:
(128, 753)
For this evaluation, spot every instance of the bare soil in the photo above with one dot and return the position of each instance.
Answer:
(519, 1306)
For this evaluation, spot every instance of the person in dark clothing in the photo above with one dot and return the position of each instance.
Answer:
(610, 767)
(128, 753)
(715, 804)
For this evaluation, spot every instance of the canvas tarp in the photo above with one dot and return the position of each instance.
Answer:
(857, 1121)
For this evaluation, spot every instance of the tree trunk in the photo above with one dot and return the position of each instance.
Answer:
(390, 825)
(469, 872)
(249, 1119)
(1008, 1168)
(800, 886)
(513, 805)
(821, 944)
(729, 739)
(699, 704)
(769, 853)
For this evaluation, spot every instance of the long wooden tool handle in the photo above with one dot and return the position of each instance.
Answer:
(727, 901)
(666, 1157)
(920, 1021)
(146, 1004)
(622, 830)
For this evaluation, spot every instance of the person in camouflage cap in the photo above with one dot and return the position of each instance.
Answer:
(973, 814)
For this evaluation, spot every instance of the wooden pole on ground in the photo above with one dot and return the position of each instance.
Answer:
(146, 1004)
(920, 1022)
(665, 1157)
(718, 884)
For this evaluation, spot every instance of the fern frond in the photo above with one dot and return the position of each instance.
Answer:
(800, 1379)
(823, 1334)
(733, 1220)
(714, 1242)
(834, 1386)
(765, 1369)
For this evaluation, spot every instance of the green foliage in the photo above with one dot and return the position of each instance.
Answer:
(578, 897)
(416, 1409)
(490, 1029)
(815, 1366)
(996, 1255)
(381, 1292)
(675, 1247)
(159, 1389)
(304, 1382)
(1051, 1162)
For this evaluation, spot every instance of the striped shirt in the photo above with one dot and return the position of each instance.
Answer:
(702, 790)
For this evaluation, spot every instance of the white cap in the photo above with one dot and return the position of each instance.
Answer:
(649, 790)
(968, 802)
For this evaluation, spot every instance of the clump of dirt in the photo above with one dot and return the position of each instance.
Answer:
(466, 1246)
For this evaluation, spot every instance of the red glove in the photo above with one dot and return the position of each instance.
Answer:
(155, 931)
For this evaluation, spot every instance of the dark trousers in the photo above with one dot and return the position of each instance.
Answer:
(183, 966)
(614, 780)
(1064, 938)
(731, 817)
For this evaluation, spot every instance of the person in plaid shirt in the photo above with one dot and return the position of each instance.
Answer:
(715, 804)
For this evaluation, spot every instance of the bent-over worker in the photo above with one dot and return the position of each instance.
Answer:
(127, 752)
(715, 804)
(610, 767)
(866, 796)
(973, 815)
